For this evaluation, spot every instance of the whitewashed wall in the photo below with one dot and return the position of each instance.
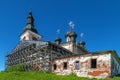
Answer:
(85, 70)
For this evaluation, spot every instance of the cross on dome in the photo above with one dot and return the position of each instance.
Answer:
(71, 24)
(58, 32)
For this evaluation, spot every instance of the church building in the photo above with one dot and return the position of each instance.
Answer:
(61, 58)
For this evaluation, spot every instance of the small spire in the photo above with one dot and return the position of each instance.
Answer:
(58, 40)
(30, 23)
(71, 24)
(30, 19)
(82, 43)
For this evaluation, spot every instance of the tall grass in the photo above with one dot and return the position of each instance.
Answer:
(41, 76)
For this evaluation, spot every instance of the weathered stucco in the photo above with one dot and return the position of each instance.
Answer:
(102, 70)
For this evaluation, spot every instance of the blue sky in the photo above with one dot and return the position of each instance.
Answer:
(99, 20)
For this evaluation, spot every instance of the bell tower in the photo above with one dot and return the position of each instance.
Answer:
(30, 33)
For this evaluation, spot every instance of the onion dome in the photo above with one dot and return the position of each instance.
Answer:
(58, 40)
(30, 23)
(82, 43)
(71, 34)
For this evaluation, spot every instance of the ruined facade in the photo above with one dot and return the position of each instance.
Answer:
(94, 65)
(61, 58)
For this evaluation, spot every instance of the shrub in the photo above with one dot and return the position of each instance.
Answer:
(18, 67)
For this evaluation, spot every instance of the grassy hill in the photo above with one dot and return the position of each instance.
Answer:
(41, 76)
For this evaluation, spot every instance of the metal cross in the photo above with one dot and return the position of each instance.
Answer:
(71, 24)
(58, 32)
(81, 35)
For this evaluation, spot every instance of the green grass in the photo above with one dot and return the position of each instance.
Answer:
(41, 76)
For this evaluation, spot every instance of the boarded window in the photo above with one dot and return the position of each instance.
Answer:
(93, 63)
(77, 65)
(65, 65)
(54, 66)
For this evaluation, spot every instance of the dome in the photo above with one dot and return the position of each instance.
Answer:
(31, 28)
(82, 43)
(58, 39)
(30, 23)
(71, 33)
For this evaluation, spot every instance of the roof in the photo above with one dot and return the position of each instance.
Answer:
(60, 47)
(30, 27)
(40, 44)
(81, 48)
(23, 44)
(58, 39)
(112, 52)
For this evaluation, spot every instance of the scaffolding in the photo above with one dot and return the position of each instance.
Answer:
(36, 55)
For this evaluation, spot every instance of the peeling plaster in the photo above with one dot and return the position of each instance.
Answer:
(102, 70)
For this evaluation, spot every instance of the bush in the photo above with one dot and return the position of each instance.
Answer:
(18, 67)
